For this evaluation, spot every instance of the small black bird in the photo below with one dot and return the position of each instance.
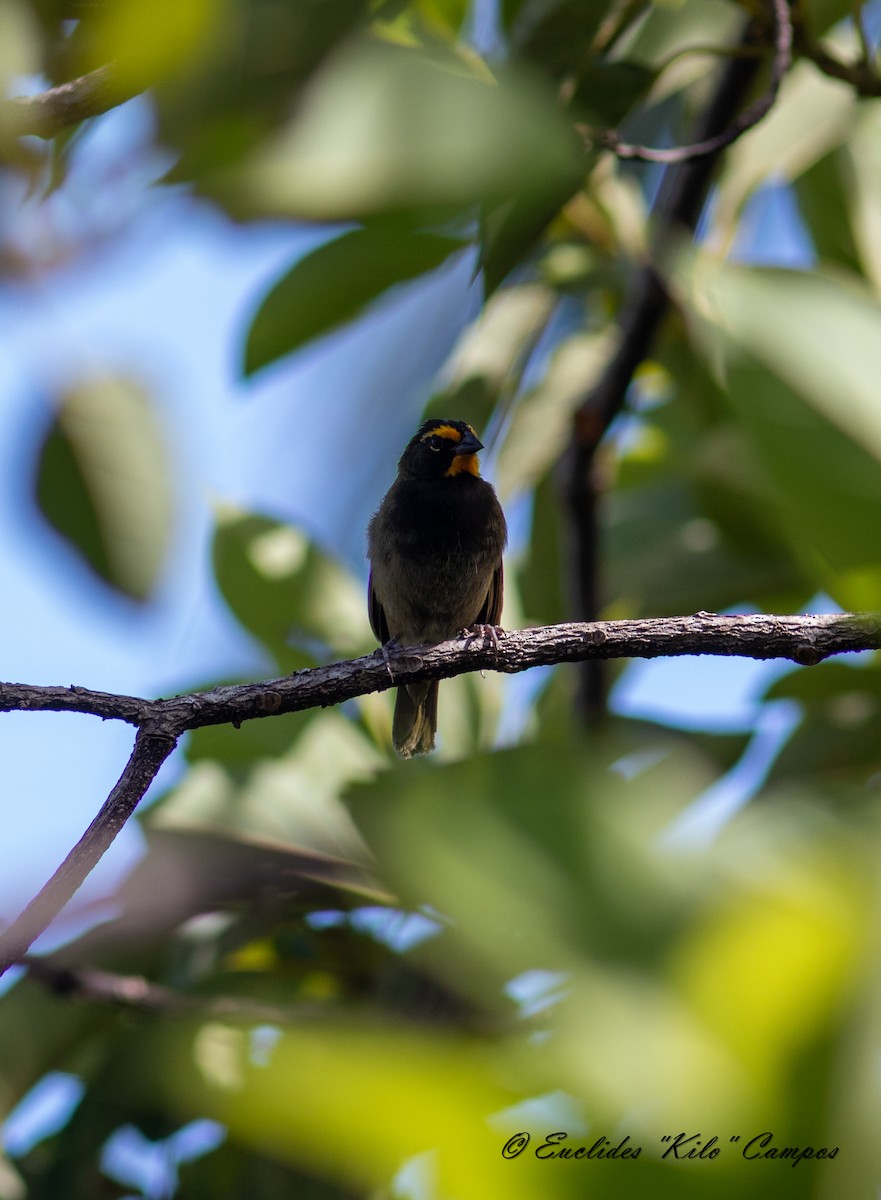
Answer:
(435, 548)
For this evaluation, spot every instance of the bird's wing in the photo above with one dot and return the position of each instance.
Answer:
(375, 611)
(491, 612)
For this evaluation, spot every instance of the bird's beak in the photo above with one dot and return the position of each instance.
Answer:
(469, 444)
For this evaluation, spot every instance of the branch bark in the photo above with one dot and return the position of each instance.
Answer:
(47, 113)
(806, 640)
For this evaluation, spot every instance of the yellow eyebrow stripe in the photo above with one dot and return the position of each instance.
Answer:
(444, 431)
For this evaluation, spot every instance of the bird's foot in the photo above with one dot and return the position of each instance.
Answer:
(391, 644)
(489, 633)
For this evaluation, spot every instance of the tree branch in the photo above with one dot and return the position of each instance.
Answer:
(862, 75)
(149, 753)
(783, 41)
(802, 639)
(137, 992)
(47, 113)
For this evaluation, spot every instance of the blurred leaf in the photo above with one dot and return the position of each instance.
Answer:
(248, 78)
(540, 577)
(841, 523)
(800, 933)
(489, 359)
(191, 869)
(384, 128)
(236, 1170)
(469, 840)
(541, 422)
(812, 410)
(333, 283)
(103, 483)
(607, 91)
(298, 601)
(148, 40)
(666, 556)
(821, 15)
(446, 16)
(509, 232)
(861, 169)
(255, 740)
(41, 1032)
(291, 800)
(811, 117)
(825, 201)
(20, 52)
(406, 1094)
(837, 737)
(556, 35)
(665, 30)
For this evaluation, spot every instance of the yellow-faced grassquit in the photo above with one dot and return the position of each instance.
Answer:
(435, 548)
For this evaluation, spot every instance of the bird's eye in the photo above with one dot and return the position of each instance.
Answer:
(435, 443)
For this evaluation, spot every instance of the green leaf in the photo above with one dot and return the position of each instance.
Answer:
(333, 283)
(103, 483)
(800, 364)
(298, 601)
(812, 116)
(445, 16)
(386, 129)
(148, 40)
(666, 556)
(825, 201)
(540, 577)
(609, 90)
(556, 35)
(247, 78)
(821, 15)
(511, 230)
(837, 737)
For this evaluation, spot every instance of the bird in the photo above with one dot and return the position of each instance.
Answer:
(435, 547)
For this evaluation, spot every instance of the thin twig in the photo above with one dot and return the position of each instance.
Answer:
(755, 112)
(137, 992)
(803, 639)
(149, 753)
(861, 75)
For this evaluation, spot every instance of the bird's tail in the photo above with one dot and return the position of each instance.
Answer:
(415, 720)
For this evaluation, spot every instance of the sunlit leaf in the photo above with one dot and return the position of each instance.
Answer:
(149, 40)
(386, 129)
(103, 483)
(357, 1103)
